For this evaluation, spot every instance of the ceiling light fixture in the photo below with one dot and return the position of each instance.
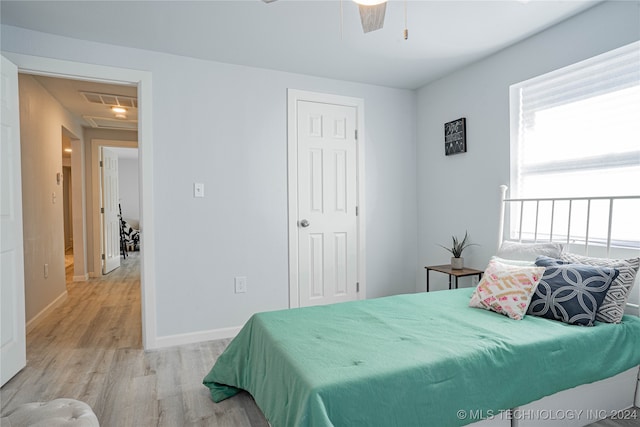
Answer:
(118, 110)
(68, 150)
(405, 33)
(121, 116)
(371, 14)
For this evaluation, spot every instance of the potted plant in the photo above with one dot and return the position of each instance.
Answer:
(457, 262)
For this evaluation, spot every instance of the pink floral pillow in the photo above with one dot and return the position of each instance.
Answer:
(506, 289)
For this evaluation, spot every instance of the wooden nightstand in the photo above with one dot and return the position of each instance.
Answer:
(446, 269)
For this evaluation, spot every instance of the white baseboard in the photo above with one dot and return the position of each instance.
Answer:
(195, 337)
(48, 309)
(82, 278)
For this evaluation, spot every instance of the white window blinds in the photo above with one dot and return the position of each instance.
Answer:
(575, 132)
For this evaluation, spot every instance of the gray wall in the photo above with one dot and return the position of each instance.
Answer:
(42, 119)
(225, 126)
(460, 192)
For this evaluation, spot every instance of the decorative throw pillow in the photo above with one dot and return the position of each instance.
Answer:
(612, 308)
(570, 293)
(506, 289)
(528, 251)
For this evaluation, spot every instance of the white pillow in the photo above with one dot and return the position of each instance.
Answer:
(528, 251)
(513, 262)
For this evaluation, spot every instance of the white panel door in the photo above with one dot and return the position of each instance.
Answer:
(327, 196)
(13, 354)
(110, 208)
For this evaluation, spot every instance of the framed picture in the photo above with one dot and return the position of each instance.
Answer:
(455, 137)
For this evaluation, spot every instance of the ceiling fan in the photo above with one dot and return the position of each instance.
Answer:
(371, 13)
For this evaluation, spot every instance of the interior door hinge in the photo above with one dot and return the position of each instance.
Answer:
(103, 257)
(100, 163)
(356, 133)
(357, 211)
(357, 286)
(101, 210)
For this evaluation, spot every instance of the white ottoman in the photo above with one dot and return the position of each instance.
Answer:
(55, 413)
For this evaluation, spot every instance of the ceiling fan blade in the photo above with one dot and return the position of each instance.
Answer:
(372, 17)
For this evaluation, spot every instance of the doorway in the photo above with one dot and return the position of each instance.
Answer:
(128, 203)
(67, 69)
(46, 210)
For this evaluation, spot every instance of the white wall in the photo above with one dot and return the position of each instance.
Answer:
(225, 126)
(460, 192)
(128, 189)
(41, 123)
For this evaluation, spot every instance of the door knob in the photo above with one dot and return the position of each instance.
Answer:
(304, 223)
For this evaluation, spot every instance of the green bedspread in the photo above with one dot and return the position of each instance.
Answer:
(411, 360)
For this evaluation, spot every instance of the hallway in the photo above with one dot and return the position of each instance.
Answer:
(69, 351)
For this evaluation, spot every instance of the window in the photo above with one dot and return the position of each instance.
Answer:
(575, 132)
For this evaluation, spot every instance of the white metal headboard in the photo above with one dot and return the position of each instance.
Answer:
(566, 236)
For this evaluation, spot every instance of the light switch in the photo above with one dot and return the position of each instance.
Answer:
(198, 189)
(240, 285)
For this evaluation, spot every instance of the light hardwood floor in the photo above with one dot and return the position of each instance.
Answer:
(90, 349)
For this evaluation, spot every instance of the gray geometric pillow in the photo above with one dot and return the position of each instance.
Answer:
(612, 308)
(570, 293)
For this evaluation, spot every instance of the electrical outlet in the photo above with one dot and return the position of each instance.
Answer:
(240, 284)
(46, 271)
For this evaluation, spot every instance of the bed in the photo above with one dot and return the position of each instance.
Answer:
(431, 360)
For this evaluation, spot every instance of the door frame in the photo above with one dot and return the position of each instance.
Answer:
(37, 65)
(293, 96)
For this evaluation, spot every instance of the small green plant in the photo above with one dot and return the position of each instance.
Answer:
(459, 245)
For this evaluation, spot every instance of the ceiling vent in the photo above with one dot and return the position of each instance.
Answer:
(107, 123)
(111, 100)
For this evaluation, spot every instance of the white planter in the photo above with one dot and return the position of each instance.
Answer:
(457, 263)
